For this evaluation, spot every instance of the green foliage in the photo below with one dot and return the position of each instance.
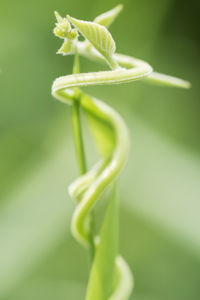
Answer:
(103, 272)
(108, 17)
(160, 226)
(98, 36)
(100, 127)
(112, 137)
(64, 31)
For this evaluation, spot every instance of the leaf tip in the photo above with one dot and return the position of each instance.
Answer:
(107, 18)
(71, 19)
(58, 16)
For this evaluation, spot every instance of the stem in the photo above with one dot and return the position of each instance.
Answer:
(112, 62)
(78, 139)
(80, 153)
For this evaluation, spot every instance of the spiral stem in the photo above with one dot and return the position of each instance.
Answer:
(88, 187)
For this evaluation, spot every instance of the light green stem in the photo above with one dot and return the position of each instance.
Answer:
(78, 139)
(80, 153)
(99, 46)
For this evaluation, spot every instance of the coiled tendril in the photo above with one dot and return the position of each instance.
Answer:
(99, 46)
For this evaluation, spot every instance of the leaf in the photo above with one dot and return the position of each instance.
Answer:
(107, 18)
(99, 126)
(97, 35)
(102, 276)
(65, 48)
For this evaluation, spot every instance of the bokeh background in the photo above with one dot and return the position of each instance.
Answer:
(159, 188)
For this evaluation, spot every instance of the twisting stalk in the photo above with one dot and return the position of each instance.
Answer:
(79, 148)
(87, 188)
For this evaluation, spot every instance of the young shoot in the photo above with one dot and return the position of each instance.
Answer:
(110, 276)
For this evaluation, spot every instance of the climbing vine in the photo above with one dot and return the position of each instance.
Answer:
(110, 276)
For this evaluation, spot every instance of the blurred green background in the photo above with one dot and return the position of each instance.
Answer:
(159, 188)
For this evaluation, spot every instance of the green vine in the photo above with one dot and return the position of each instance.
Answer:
(110, 276)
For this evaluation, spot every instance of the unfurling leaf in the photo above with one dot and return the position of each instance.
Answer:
(65, 48)
(97, 35)
(64, 31)
(107, 18)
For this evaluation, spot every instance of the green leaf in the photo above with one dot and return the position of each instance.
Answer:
(103, 273)
(65, 48)
(107, 18)
(100, 127)
(98, 36)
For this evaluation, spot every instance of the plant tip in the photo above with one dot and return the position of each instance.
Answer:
(58, 16)
(120, 7)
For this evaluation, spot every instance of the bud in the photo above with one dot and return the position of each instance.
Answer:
(64, 31)
(72, 34)
(62, 26)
